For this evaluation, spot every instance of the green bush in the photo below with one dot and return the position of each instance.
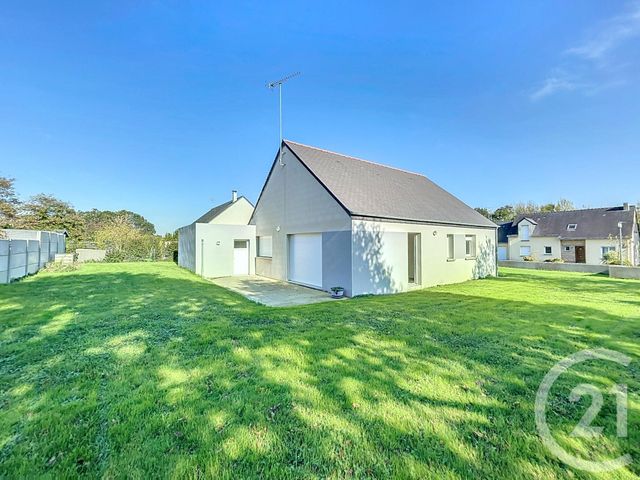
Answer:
(554, 260)
(612, 257)
(529, 259)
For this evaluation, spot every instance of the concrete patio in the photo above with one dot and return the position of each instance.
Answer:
(272, 293)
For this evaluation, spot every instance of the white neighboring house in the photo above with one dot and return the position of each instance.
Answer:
(577, 236)
(326, 220)
(221, 242)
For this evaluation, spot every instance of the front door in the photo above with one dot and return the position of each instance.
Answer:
(580, 255)
(241, 257)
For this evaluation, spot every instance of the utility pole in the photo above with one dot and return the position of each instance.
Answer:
(620, 241)
(271, 86)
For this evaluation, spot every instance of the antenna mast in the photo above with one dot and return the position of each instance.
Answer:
(271, 86)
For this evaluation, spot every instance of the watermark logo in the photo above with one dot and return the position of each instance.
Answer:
(584, 428)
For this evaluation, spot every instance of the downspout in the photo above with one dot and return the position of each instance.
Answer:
(202, 257)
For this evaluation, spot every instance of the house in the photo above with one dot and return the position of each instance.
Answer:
(326, 220)
(221, 242)
(577, 236)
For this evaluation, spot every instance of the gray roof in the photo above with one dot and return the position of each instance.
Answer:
(367, 189)
(590, 223)
(215, 211)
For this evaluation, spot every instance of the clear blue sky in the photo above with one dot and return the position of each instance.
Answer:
(161, 108)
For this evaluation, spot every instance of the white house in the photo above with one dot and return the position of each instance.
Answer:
(577, 236)
(221, 242)
(328, 220)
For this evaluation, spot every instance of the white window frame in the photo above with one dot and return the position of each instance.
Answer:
(550, 250)
(451, 248)
(469, 252)
(528, 248)
(572, 227)
(265, 242)
(608, 249)
(525, 233)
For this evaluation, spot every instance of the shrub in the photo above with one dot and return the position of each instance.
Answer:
(529, 259)
(554, 260)
(613, 258)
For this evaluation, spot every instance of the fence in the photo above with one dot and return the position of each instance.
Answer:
(614, 271)
(24, 252)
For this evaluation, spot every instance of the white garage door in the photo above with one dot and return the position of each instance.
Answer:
(502, 253)
(305, 259)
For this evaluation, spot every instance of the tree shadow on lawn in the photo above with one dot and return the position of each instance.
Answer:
(106, 373)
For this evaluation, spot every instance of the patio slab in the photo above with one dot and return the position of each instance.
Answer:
(272, 293)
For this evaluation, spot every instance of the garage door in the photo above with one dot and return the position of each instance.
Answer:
(502, 253)
(305, 259)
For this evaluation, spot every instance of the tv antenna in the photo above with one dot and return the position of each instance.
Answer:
(271, 86)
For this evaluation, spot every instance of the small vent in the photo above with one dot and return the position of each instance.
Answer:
(572, 227)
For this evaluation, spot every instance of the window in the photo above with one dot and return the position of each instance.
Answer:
(525, 232)
(567, 249)
(605, 250)
(548, 250)
(572, 227)
(525, 251)
(264, 246)
(450, 248)
(470, 244)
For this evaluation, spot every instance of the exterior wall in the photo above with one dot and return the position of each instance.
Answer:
(336, 261)
(238, 213)
(593, 249)
(562, 267)
(213, 247)
(617, 271)
(187, 247)
(90, 255)
(293, 201)
(380, 256)
(537, 245)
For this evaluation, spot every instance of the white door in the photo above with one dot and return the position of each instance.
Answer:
(502, 253)
(305, 259)
(241, 257)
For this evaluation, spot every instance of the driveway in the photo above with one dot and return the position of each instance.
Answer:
(272, 293)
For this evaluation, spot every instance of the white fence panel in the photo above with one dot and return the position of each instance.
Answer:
(44, 248)
(4, 261)
(33, 256)
(17, 259)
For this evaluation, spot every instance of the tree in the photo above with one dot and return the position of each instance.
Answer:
(9, 203)
(525, 208)
(548, 207)
(504, 214)
(564, 205)
(97, 219)
(45, 212)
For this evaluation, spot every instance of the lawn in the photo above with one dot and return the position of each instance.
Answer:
(143, 369)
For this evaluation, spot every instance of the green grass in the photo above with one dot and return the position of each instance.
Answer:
(139, 370)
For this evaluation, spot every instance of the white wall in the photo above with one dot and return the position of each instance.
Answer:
(214, 248)
(239, 213)
(537, 245)
(380, 256)
(295, 201)
(594, 249)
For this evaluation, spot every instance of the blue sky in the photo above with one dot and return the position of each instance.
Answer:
(161, 107)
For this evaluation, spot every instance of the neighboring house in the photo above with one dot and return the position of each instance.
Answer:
(325, 220)
(577, 236)
(328, 220)
(221, 242)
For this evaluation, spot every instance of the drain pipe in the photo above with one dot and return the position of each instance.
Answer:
(202, 257)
